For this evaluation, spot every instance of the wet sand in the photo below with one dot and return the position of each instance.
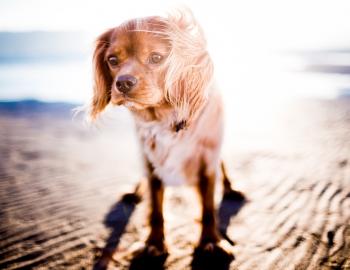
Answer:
(61, 185)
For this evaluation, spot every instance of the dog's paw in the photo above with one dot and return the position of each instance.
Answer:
(155, 250)
(152, 249)
(234, 195)
(212, 255)
(149, 257)
(131, 198)
(221, 248)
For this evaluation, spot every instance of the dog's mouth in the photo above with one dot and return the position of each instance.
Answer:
(134, 102)
(117, 99)
(124, 100)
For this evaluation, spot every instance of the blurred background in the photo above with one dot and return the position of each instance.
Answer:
(284, 70)
(294, 48)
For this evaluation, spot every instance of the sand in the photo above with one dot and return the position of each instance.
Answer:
(61, 185)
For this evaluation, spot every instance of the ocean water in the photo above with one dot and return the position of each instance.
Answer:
(49, 66)
(46, 80)
(250, 79)
(56, 66)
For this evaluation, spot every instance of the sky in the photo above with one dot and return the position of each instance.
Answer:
(278, 24)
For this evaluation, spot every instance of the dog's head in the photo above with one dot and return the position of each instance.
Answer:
(146, 63)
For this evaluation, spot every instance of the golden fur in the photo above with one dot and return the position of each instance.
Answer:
(176, 107)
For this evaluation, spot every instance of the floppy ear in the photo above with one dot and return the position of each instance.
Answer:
(102, 78)
(189, 68)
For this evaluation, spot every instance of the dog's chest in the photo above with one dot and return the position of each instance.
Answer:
(168, 152)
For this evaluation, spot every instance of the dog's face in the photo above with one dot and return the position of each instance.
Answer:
(135, 61)
(146, 63)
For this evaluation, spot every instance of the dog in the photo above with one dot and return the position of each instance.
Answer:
(159, 68)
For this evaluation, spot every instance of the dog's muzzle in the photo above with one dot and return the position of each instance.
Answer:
(125, 83)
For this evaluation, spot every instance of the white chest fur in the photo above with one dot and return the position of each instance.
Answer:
(177, 156)
(168, 152)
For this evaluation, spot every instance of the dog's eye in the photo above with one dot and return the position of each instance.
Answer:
(155, 58)
(113, 60)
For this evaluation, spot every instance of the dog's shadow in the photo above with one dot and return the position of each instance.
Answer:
(118, 218)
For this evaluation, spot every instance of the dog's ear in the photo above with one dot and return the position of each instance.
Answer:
(189, 68)
(102, 78)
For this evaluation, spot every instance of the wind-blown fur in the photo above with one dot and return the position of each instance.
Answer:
(190, 68)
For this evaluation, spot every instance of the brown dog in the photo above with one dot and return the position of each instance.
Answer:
(160, 70)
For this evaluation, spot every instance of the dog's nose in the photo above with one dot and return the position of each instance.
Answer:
(125, 83)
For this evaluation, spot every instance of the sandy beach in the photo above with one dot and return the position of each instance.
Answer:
(61, 185)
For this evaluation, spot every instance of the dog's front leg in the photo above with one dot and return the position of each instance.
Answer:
(155, 242)
(210, 239)
(206, 187)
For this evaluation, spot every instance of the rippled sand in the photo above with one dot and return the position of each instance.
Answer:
(61, 184)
